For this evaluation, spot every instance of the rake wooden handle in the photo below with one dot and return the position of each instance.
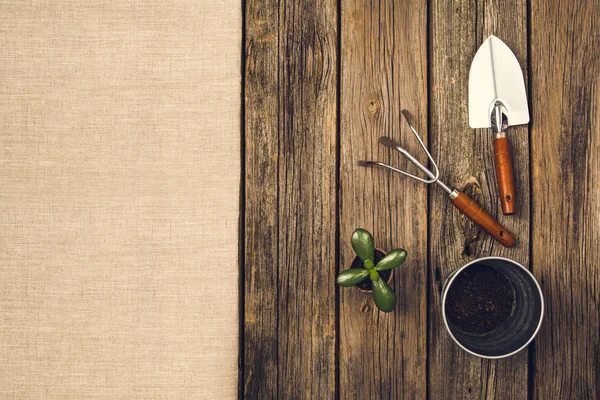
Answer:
(504, 175)
(476, 214)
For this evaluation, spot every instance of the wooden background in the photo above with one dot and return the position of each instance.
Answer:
(322, 81)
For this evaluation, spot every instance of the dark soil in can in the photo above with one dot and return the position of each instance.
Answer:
(479, 300)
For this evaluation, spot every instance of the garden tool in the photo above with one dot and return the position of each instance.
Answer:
(460, 200)
(497, 100)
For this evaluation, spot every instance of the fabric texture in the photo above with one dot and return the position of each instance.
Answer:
(119, 199)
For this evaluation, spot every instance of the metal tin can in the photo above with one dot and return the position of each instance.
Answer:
(521, 326)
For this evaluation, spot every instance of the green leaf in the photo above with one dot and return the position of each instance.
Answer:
(374, 275)
(363, 245)
(384, 296)
(393, 259)
(351, 277)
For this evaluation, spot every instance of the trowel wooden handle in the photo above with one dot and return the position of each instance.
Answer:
(476, 214)
(504, 174)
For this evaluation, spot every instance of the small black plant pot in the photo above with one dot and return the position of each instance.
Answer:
(366, 285)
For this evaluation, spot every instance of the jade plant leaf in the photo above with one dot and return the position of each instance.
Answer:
(351, 277)
(384, 296)
(363, 245)
(393, 259)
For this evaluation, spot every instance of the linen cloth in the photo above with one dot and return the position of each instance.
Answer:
(119, 199)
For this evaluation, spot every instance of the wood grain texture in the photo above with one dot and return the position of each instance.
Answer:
(261, 201)
(466, 160)
(566, 196)
(290, 128)
(384, 69)
(290, 231)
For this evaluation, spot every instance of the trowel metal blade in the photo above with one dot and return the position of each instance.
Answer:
(496, 77)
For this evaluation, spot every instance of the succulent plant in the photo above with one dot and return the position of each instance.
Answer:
(364, 247)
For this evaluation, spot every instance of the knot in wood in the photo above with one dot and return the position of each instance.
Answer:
(469, 229)
(364, 307)
(373, 106)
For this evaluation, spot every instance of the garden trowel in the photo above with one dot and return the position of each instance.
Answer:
(497, 100)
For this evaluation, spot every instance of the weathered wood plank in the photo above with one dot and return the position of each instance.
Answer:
(290, 127)
(384, 69)
(566, 195)
(261, 201)
(457, 28)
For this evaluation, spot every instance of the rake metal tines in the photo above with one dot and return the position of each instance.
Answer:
(433, 176)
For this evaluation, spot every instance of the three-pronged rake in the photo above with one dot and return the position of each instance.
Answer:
(460, 200)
